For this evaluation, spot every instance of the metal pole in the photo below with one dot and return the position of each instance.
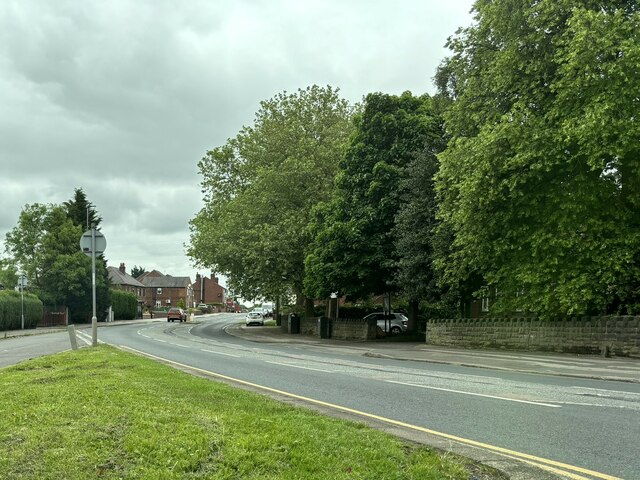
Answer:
(22, 298)
(94, 319)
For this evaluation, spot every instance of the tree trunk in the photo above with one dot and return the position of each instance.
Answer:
(308, 307)
(412, 325)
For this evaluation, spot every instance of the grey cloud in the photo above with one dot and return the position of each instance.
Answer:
(123, 98)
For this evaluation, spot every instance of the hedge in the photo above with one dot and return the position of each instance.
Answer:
(124, 305)
(11, 310)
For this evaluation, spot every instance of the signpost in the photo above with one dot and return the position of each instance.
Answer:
(22, 282)
(93, 243)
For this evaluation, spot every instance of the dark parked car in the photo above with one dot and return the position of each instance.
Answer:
(176, 314)
(394, 323)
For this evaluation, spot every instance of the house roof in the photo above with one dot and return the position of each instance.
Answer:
(166, 281)
(119, 278)
(152, 273)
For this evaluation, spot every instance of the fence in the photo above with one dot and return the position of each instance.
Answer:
(54, 316)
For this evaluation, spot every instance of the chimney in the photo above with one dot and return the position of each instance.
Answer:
(122, 269)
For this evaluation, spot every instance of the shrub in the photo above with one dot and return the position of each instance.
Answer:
(124, 305)
(11, 310)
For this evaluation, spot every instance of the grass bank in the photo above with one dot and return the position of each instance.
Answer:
(103, 413)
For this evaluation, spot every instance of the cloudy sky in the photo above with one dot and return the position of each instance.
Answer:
(123, 98)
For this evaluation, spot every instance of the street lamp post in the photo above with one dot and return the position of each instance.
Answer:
(22, 283)
(93, 242)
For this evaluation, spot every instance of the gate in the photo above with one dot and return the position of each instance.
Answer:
(54, 316)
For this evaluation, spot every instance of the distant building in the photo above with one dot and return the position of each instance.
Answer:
(209, 291)
(121, 280)
(166, 291)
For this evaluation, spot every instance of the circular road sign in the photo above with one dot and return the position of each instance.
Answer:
(85, 243)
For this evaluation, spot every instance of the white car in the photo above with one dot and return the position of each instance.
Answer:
(254, 318)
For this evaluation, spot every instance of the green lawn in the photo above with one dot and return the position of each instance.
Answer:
(103, 413)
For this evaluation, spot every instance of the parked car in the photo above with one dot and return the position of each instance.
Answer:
(203, 307)
(394, 323)
(254, 318)
(175, 313)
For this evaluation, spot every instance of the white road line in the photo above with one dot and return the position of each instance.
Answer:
(476, 394)
(158, 340)
(86, 338)
(298, 366)
(547, 464)
(219, 353)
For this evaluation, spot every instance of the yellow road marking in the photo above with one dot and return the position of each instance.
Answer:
(540, 462)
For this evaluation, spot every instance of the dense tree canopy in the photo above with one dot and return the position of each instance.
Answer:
(45, 245)
(81, 211)
(355, 250)
(540, 181)
(260, 187)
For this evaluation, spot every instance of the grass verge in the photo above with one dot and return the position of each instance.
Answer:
(103, 413)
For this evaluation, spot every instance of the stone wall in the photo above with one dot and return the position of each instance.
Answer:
(341, 329)
(309, 326)
(353, 329)
(589, 335)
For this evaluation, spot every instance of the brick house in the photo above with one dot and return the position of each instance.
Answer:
(165, 290)
(121, 280)
(209, 291)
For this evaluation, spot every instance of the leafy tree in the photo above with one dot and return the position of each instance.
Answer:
(260, 187)
(137, 271)
(540, 182)
(81, 211)
(355, 249)
(8, 273)
(45, 244)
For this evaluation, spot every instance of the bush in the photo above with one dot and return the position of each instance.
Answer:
(11, 310)
(124, 305)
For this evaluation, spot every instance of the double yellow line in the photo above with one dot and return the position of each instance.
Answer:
(559, 468)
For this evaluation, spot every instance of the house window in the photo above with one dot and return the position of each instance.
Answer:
(159, 291)
(158, 304)
(168, 301)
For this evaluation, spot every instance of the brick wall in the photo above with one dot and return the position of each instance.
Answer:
(589, 335)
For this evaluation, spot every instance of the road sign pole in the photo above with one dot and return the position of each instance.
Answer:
(94, 319)
(22, 299)
(92, 242)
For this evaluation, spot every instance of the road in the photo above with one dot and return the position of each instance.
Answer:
(589, 427)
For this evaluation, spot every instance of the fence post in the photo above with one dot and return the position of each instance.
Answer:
(72, 337)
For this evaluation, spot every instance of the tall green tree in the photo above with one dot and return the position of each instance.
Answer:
(355, 250)
(81, 211)
(539, 183)
(8, 273)
(259, 189)
(45, 244)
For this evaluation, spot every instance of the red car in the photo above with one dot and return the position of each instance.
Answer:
(176, 314)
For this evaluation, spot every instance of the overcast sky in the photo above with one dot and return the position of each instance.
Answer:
(123, 98)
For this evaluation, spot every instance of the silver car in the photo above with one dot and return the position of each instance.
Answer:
(254, 318)
(394, 323)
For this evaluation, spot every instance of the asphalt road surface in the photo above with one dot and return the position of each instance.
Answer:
(588, 428)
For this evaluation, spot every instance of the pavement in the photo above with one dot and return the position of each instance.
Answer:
(580, 366)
